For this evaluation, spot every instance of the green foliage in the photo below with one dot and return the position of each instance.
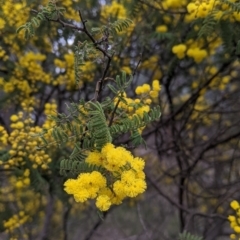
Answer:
(50, 12)
(188, 236)
(163, 36)
(81, 53)
(97, 126)
(76, 167)
(113, 28)
(122, 84)
(227, 35)
(4, 155)
(234, 6)
(87, 128)
(208, 25)
(127, 124)
(199, 99)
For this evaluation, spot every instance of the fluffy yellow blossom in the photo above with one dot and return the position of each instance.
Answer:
(148, 101)
(14, 118)
(139, 90)
(95, 158)
(108, 147)
(115, 159)
(232, 218)
(197, 54)
(86, 186)
(137, 164)
(179, 50)
(153, 94)
(161, 28)
(136, 188)
(3, 136)
(191, 7)
(140, 111)
(115, 10)
(236, 229)
(234, 205)
(103, 202)
(124, 177)
(235, 220)
(156, 85)
(146, 88)
(2, 23)
(15, 221)
(233, 236)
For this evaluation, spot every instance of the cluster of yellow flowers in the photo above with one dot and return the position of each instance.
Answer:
(235, 220)
(202, 8)
(147, 94)
(3, 54)
(11, 18)
(3, 137)
(26, 76)
(11, 10)
(114, 10)
(50, 109)
(2, 23)
(23, 181)
(195, 52)
(15, 221)
(122, 177)
(67, 66)
(30, 63)
(145, 91)
(23, 144)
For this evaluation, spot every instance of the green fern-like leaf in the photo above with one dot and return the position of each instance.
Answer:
(126, 124)
(136, 138)
(208, 25)
(81, 52)
(97, 125)
(4, 155)
(163, 36)
(77, 167)
(113, 28)
(51, 11)
(226, 35)
(120, 25)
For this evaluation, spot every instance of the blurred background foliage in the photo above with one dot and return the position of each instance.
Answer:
(192, 156)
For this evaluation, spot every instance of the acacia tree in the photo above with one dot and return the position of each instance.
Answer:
(95, 70)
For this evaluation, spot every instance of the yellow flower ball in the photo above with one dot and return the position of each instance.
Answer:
(236, 229)
(233, 236)
(103, 202)
(234, 205)
(179, 50)
(161, 28)
(14, 118)
(153, 94)
(139, 90)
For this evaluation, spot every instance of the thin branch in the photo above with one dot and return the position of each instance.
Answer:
(179, 206)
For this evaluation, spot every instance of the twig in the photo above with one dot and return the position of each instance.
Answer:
(138, 64)
(113, 113)
(100, 83)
